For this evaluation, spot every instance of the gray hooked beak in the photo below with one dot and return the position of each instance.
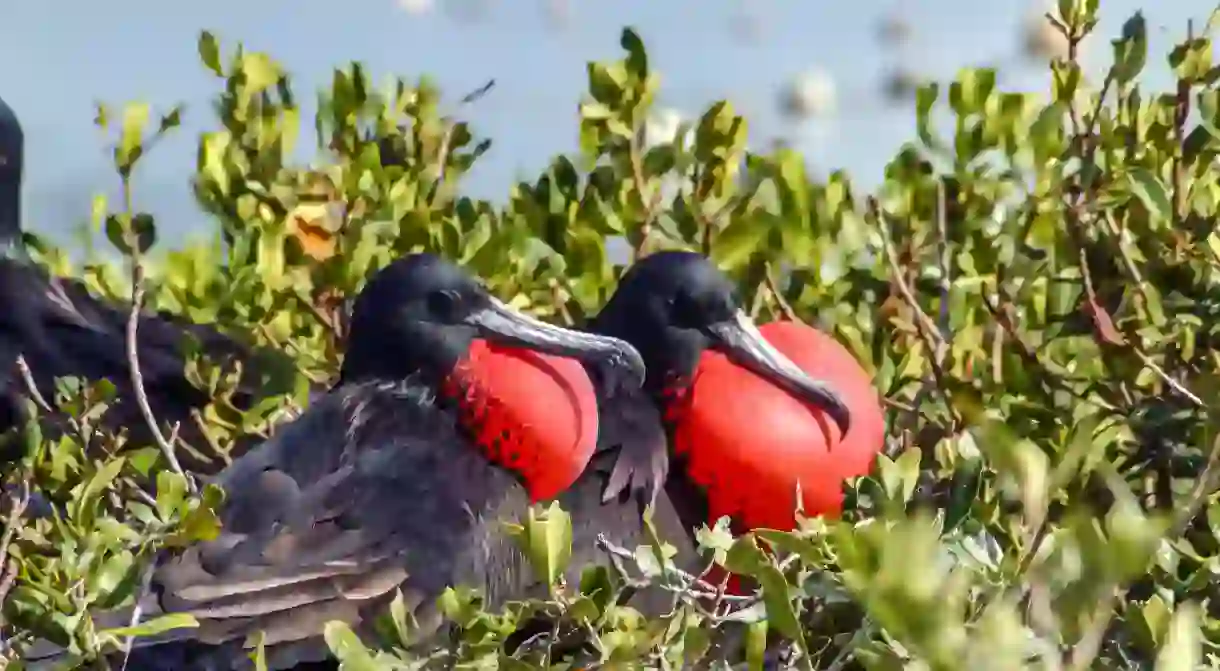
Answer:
(739, 339)
(500, 323)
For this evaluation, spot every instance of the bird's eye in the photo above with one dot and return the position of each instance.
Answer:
(444, 303)
(685, 311)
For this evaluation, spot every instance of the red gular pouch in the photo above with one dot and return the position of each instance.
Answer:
(532, 413)
(748, 442)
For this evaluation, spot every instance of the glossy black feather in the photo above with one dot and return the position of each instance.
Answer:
(62, 330)
(376, 488)
(372, 490)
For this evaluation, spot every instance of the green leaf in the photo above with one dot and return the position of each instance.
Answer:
(346, 646)
(97, 485)
(101, 116)
(925, 101)
(157, 625)
(1046, 132)
(1183, 645)
(1155, 615)
(717, 538)
(1192, 59)
(546, 539)
(130, 148)
(459, 605)
(756, 645)
(209, 53)
(259, 654)
(637, 58)
(1152, 193)
(738, 242)
(973, 88)
(400, 617)
(171, 493)
(776, 594)
(261, 72)
(745, 557)
(170, 121)
(597, 583)
(607, 83)
(964, 491)
(144, 231)
(900, 477)
(1131, 50)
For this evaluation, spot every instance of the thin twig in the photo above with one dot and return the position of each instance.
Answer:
(1166, 378)
(137, 378)
(847, 653)
(322, 319)
(933, 340)
(27, 376)
(1129, 264)
(18, 502)
(925, 326)
(942, 330)
(447, 138)
(946, 264)
(650, 202)
(202, 425)
(133, 351)
(694, 585)
(785, 308)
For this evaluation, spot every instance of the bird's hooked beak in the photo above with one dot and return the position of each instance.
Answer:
(740, 340)
(499, 323)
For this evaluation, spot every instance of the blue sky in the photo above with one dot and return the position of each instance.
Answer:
(62, 56)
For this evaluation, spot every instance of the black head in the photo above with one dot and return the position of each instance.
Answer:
(12, 144)
(674, 305)
(420, 314)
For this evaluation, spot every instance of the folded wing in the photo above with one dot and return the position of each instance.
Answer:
(347, 505)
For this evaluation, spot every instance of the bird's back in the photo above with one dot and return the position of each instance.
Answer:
(372, 490)
(62, 330)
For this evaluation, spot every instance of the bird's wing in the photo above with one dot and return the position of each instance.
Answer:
(63, 330)
(342, 507)
(631, 427)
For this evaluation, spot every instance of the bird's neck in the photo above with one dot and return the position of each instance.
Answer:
(10, 210)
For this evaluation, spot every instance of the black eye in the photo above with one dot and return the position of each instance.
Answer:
(445, 304)
(685, 311)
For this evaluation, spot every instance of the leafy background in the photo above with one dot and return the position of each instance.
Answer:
(1032, 285)
(537, 64)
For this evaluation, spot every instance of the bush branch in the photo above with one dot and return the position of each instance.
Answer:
(133, 348)
(929, 333)
(18, 501)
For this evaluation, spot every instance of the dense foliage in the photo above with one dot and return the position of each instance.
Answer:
(1034, 293)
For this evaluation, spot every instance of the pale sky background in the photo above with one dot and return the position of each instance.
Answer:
(63, 55)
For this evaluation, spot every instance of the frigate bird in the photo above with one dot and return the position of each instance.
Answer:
(742, 423)
(698, 440)
(62, 330)
(453, 412)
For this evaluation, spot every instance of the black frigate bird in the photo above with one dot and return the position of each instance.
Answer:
(62, 330)
(396, 479)
(675, 308)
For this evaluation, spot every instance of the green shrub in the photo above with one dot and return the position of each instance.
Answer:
(1036, 296)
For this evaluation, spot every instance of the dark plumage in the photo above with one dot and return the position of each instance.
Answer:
(674, 306)
(62, 330)
(379, 485)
